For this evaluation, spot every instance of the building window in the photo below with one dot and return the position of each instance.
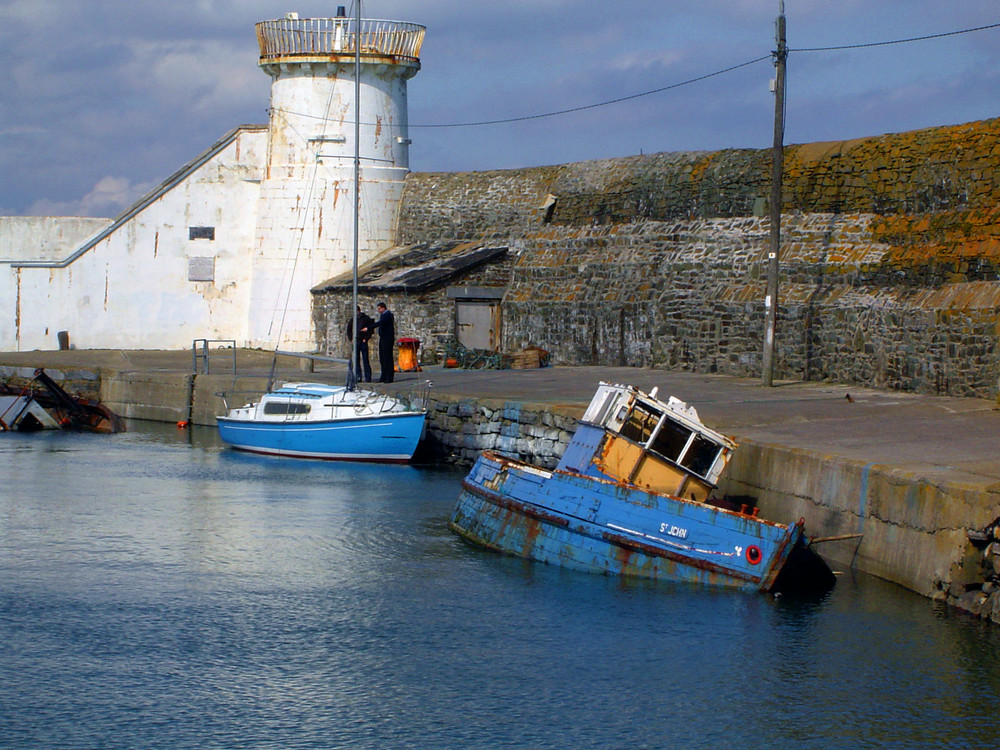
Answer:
(201, 269)
(201, 233)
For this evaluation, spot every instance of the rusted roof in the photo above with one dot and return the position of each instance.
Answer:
(416, 268)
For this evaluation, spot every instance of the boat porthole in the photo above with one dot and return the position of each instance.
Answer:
(753, 554)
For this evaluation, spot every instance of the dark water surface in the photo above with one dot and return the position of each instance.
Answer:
(160, 591)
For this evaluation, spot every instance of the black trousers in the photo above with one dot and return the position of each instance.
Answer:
(364, 364)
(385, 360)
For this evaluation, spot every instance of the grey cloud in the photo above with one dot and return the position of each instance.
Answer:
(136, 89)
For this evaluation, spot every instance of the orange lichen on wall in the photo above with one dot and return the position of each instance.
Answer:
(935, 169)
(701, 165)
(940, 236)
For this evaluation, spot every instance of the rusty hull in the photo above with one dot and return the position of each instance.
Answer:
(610, 527)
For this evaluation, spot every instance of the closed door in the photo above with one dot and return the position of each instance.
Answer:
(478, 324)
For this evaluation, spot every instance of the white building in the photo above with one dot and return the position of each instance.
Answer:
(230, 245)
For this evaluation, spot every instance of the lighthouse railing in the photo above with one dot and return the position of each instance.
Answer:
(310, 37)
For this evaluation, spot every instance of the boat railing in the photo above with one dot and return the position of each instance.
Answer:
(374, 402)
(422, 394)
(416, 395)
(247, 397)
(413, 397)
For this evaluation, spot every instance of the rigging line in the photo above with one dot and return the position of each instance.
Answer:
(294, 257)
(575, 109)
(288, 276)
(895, 41)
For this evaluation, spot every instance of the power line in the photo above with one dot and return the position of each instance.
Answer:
(571, 109)
(895, 41)
(700, 78)
(598, 104)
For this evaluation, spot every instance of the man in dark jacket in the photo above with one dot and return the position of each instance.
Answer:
(365, 327)
(386, 326)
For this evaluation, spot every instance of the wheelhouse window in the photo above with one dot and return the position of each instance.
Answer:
(670, 440)
(700, 457)
(641, 423)
(675, 442)
(285, 407)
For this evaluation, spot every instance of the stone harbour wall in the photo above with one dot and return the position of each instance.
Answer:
(458, 431)
(890, 258)
(975, 584)
(914, 173)
(690, 295)
(913, 530)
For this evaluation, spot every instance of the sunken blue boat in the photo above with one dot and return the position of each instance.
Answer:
(633, 496)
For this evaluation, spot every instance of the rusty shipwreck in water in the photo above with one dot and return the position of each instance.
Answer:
(633, 495)
(42, 404)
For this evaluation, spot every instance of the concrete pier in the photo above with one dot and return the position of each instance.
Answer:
(912, 474)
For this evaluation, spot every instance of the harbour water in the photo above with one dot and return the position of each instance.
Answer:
(158, 590)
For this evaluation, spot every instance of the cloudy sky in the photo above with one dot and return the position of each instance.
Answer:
(101, 100)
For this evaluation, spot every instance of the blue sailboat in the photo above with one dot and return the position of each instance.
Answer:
(315, 420)
(633, 495)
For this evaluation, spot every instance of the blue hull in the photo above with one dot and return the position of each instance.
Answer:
(601, 526)
(389, 437)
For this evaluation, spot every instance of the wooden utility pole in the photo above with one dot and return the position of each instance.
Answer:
(777, 164)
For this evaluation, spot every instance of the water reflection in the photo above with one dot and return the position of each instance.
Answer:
(160, 590)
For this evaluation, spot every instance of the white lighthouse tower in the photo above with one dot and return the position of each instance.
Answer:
(305, 216)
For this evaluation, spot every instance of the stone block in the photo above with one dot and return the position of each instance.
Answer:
(972, 602)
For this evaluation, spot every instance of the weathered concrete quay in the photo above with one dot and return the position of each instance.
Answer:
(913, 474)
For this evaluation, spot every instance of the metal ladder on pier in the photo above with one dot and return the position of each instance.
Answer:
(200, 354)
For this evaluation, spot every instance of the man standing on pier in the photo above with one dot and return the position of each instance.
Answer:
(386, 326)
(365, 327)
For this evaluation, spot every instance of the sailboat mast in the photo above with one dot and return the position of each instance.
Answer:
(357, 180)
